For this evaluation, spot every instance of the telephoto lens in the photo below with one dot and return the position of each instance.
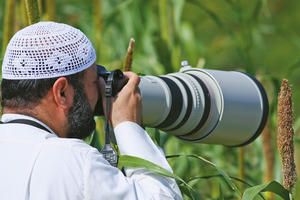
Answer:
(206, 106)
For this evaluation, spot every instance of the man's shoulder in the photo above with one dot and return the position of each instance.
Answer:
(67, 153)
(18, 136)
(71, 145)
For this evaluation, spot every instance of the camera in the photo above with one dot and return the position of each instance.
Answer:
(118, 81)
(200, 105)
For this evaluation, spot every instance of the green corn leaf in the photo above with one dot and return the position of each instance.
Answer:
(93, 140)
(135, 162)
(221, 172)
(185, 190)
(90, 138)
(96, 139)
(189, 193)
(273, 186)
(220, 176)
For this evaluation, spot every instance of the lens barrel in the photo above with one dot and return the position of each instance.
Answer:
(207, 106)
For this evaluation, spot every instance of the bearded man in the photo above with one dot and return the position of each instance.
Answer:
(50, 88)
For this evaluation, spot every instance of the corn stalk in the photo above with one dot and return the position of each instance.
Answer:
(9, 23)
(269, 155)
(164, 21)
(23, 8)
(97, 19)
(40, 5)
(9, 29)
(32, 11)
(241, 165)
(50, 10)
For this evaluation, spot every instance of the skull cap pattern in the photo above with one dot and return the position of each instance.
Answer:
(47, 50)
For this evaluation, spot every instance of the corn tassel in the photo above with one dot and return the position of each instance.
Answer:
(285, 135)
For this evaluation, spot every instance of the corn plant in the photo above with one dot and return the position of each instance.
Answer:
(32, 11)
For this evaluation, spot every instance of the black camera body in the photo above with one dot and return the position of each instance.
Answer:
(118, 82)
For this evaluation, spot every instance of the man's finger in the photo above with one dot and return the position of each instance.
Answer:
(133, 80)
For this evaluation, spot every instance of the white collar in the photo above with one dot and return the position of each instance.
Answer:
(10, 117)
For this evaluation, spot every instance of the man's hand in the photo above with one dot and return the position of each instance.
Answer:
(127, 104)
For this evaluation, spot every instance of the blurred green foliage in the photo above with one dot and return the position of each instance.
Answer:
(259, 36)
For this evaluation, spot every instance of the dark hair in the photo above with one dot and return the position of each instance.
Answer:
(28, 93)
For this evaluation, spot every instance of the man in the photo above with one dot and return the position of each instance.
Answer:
(49, 92)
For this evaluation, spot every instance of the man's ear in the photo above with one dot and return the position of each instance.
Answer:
(63, 93)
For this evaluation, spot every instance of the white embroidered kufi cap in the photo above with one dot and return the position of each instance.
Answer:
(47, 50)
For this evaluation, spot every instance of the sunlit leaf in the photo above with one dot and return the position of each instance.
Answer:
(273, 186)
(135, 162)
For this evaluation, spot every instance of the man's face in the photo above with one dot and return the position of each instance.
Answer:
(91, 85)
(80, 116)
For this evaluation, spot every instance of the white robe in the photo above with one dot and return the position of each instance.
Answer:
(38, 165)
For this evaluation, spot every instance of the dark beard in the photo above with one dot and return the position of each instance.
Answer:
(80, 116)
